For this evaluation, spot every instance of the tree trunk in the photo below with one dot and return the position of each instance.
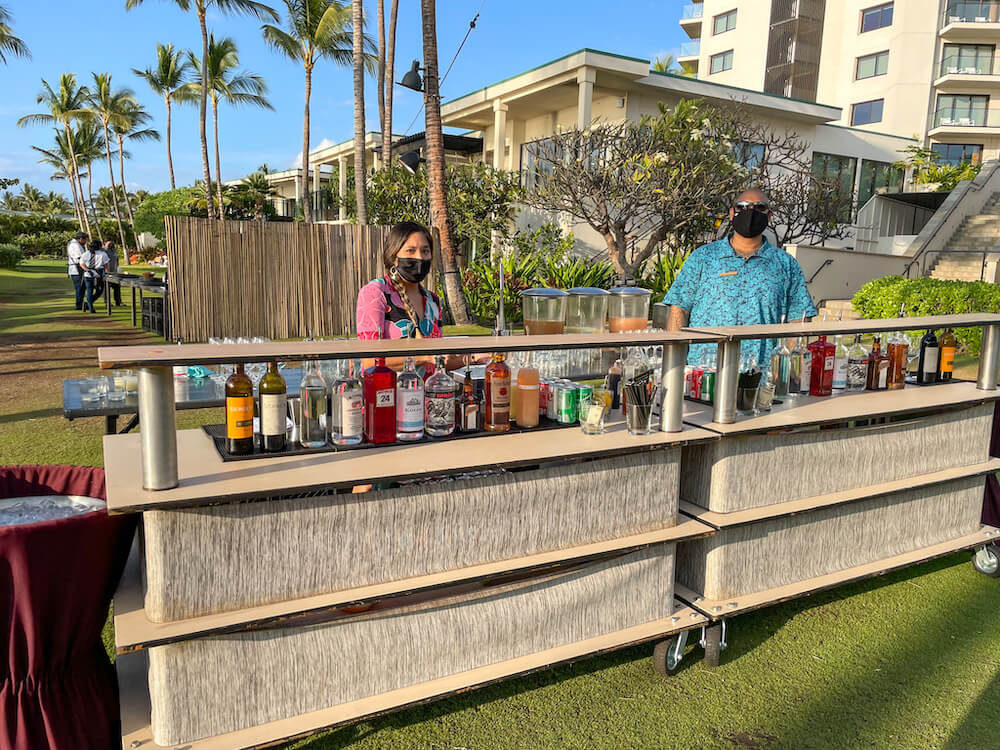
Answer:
(121, 173)
(218, 163)
(307, 203)
(436, 168)
(90, 192)
(114, 188)
(77, 199)
(203, 115)
(390, 63)
(170, 158)
(76, 174)
(360, 171)
(380, 77)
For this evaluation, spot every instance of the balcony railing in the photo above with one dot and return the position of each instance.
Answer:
(690, 49)
(958, 65)
(692, 11)
(972, 11)
(965, 119)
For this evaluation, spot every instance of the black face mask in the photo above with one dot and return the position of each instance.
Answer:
(413, 270)
(750, 223)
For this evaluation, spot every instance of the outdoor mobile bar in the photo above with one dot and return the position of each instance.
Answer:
(266, 602)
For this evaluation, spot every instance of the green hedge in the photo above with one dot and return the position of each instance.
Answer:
(44, 243)
(10, 256)
(881, 298)
(11, 225)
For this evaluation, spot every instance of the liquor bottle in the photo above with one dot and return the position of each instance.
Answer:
(312, 391)
(439, 402)
(380, 403)
(348, 413)
(927, 364)
(615, 384)
(409, 403)
(839, 364)
(821, 370)
(807, 365)
(899, 347)
(273, 410)
(948, 345)
(781, 369)
(514, 365)
(239, 413)
(470, 404)
(527, 397)
(857, 365)
(878, 367)
(496, 397)
(795, 361)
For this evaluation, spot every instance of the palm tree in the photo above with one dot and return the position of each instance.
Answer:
(130, 127)
(390, 64)
(88, 145)
(665, 64)
(360, 172)
(56, 203)
(108, 107)
(10, 44)
(170, 74)
(65, 106)
(436, 168)
(62, 167)
(315, 29)
(255, 191)
(228, 7)
(225, 82)
(32, 198)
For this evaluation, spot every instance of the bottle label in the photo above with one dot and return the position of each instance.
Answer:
(351, 414)
(385, 398)
(883, 373)
(930, 360)
(410, 411)
(439, 409)
(471, 420)
(947, 359)
(500, 399)
(828, 363)
(239, 417)
(272, 414)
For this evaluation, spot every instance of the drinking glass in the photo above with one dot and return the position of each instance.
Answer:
(116, 386)
(639, 417)
(88, 391)
(592, 414)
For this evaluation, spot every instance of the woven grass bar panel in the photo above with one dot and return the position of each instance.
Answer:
(758, 556)
(219, 684)
(219, 558)
(751, 471)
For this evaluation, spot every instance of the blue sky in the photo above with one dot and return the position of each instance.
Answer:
(76, 36)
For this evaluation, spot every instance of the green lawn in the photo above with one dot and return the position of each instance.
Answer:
(909, 661)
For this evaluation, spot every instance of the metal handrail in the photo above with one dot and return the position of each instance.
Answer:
(824, 264)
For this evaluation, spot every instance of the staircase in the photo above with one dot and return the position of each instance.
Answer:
(835, 308)
(980, 233)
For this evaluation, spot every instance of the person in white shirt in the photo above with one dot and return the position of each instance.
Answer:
(86, 263)
(98, 266)
(74, 250)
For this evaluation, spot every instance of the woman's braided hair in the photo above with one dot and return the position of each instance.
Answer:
(398, 236)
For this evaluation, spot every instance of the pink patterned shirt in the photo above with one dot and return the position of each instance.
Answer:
(381, 315)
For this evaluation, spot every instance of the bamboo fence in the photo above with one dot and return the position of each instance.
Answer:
(280, 280)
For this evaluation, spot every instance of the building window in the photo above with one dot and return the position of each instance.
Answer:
(876, 18)
(724, 22)
(866, 113)
(973, 59)
(537, 159)
(870, 66)
(958, 153)
(972, 11)
(877, 174)
(839, 172)
(961, 109)
(748, 155)
(720, 62)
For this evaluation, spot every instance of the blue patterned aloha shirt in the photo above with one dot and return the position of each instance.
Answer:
(719, 287)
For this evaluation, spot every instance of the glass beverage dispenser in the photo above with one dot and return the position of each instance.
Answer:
(586, 309)
(628, 309)
(544, 311)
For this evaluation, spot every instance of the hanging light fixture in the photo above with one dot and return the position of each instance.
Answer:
(412, 78)
(411, 161)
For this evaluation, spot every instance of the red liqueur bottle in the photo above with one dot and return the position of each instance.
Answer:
(821, 376)
(380, 403)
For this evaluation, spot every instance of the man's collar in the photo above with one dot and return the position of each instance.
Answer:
(764, 248)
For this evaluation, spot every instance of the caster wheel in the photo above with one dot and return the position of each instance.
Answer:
(713, 645)
(667, 656)
(986, 560)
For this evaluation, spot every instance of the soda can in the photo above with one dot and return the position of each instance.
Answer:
(696, 375)
(708, 386)
(550, 401)
(583, 394)
(543, 397)
(687, 380)
(566, 403)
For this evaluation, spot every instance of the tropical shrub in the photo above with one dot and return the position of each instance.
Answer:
(150, 211)
(44, 243)
(658, 273)
(10, 256)
(881, 298)
(11, 225)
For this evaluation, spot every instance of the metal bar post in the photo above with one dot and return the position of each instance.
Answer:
(987, 378)
(672, 380)
(159, 432)
(727, 379)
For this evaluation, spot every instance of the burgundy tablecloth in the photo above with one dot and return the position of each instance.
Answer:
(57, 686)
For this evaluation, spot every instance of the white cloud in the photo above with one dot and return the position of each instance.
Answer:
(297, 162)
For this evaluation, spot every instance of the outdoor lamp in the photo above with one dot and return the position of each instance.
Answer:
(412, 78)
(411, 160)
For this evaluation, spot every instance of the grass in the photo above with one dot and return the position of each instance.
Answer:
(908, 661)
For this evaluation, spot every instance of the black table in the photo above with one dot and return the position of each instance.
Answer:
(189, 393)
(133, 282)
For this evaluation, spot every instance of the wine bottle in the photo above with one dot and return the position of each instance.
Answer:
(312, 391)
(857, 365)
(839, 364)
(409, 403)
(239, 413)
(927, 364)
(348, 403)
(948, 345)
(439, 402)
(380, 403)
(470, 404)
(496, 399)
(273, 410)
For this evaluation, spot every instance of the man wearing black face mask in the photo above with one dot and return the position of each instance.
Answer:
(740, 280)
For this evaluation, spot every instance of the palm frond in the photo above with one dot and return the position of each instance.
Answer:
(283, 42)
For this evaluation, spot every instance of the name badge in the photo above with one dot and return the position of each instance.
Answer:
(729, 273)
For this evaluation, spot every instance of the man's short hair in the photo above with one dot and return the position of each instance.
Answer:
(81, 236)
